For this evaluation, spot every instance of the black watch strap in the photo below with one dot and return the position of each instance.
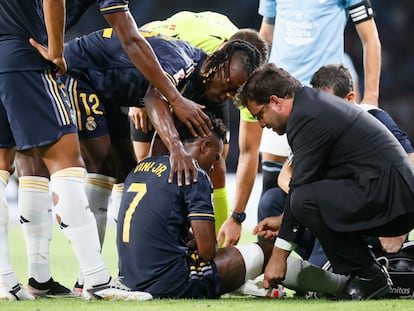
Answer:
(239, 217)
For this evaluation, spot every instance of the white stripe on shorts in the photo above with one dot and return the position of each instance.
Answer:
(57, 99)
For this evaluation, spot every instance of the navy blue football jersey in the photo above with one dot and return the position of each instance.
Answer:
(99, 59)
(389, 122)
(74, 11)
(21, 20)
(153, 225)
(76, 8)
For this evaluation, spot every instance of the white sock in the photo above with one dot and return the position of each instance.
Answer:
(303, 276)
(78, 223)
(98, 190)
(8, 278)
(253, 259)
(35, 207)
(116, 199)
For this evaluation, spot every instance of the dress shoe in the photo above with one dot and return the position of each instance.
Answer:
(359, 288)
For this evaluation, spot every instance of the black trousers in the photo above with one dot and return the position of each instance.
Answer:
(347, 251)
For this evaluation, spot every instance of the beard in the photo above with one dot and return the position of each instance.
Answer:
(280, 130)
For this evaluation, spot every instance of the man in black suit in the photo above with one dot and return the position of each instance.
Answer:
(350, 178)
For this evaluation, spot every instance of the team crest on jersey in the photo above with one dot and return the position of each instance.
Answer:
(90, 124)
(178, 76)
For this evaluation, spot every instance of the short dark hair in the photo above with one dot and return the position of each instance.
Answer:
(252, 36)
(336, 77)
(219, 129)
(266, 81)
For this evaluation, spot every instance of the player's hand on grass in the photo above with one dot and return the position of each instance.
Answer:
(276, 268)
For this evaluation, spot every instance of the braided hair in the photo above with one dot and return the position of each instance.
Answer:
(250, 56)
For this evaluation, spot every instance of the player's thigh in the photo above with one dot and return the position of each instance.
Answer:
(89, 114)
(37, 109)
(203, 281)
(6, 135)
(62, 154)
(30, 163)
(122, 156)
(88, 110)
(95, 151)
(6, 159)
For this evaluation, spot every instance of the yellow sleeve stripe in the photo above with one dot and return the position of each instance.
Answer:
(125, 6)
(200, 215)
(171, 78)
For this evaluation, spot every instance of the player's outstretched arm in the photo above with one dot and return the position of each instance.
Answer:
(268, 228)
(230, 232)
(143, 57)
(368, 34)
(250, 134)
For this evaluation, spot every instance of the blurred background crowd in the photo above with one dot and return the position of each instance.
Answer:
(394, 19)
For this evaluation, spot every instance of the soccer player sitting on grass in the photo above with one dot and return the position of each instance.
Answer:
(99, 83)
(166, 235)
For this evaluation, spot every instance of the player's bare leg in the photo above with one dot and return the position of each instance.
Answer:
(10, 288)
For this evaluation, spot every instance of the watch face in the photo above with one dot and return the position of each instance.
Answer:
(239, 217)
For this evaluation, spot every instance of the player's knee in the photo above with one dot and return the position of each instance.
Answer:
(300, 198)
(272, 203)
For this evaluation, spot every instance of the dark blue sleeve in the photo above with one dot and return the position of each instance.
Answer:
(389, 122)
(199, 200)
(112, 6)
(75, 10)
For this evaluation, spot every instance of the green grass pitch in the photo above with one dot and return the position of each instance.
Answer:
(65, 270)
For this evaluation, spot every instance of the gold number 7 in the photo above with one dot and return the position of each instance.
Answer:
(141, 190)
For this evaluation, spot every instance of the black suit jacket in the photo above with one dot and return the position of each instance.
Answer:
(363, 176)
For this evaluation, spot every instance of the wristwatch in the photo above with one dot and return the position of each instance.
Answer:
(238, 217)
